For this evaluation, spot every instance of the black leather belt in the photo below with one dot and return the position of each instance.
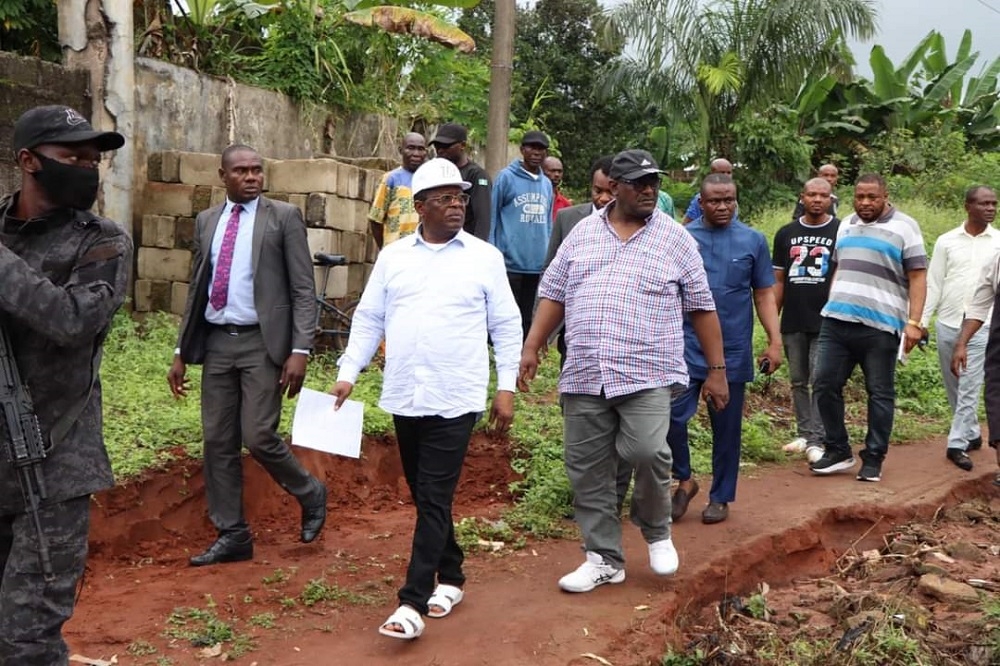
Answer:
(236, 329)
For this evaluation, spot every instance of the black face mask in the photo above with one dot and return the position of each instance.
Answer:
(67, 185)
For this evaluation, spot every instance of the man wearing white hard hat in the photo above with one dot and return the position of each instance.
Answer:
(435, 296)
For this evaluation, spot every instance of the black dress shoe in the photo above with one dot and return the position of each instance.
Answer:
(225, 549)
(313, 518)
(960, 458)
(974, 444)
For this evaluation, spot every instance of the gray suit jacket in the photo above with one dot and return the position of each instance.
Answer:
(284, 291)
(566, 219)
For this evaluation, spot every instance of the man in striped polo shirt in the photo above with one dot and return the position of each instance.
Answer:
(877, 296)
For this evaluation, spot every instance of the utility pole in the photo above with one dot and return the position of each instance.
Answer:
(501, 71)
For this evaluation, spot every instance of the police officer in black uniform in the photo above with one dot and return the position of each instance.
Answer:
(64, 272)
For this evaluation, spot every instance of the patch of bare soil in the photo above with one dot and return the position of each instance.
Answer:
(320, 604)
(926, 595)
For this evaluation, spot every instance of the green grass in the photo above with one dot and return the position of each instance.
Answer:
(471, 532)
(202, 627)
(319, 590)
(144, 426)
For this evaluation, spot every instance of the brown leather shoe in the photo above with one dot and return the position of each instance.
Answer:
(681, 499)
(715, 512)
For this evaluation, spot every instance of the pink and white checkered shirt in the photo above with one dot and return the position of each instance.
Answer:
(625, 304)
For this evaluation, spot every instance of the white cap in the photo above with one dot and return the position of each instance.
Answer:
(437, 172)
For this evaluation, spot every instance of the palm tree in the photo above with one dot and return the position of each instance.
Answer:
(711, 61)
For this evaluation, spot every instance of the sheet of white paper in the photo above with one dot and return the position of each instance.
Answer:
(902, 356)
(316, 425)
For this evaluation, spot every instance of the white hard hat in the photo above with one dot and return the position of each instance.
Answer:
(437, 172)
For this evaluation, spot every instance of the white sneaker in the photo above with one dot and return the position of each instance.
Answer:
(663, 558)
(797, 445)
(814, 453)
(590, 574)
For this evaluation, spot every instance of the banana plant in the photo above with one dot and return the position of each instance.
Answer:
(925, 91)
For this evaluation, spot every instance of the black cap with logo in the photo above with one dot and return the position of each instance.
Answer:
(60, 124)
(450, 133)
(633, 164)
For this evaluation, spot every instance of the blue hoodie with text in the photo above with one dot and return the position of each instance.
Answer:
(521, 218)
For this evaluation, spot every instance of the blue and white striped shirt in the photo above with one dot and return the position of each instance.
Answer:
(871, 286)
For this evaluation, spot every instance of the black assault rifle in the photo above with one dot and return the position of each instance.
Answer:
(24, 447)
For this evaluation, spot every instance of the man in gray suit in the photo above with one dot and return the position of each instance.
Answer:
(249, 320)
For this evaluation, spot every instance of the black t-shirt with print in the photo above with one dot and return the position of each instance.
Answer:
(805, 253)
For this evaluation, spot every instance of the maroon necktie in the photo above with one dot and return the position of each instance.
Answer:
(220, 285)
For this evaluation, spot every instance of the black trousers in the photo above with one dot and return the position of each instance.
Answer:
(432, 449)
(525, 288)
(32, 609)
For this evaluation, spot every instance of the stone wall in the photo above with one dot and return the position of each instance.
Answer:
(333, 196)
(25, 83)
(179, 109)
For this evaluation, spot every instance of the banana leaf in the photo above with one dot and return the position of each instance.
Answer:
(403, 20)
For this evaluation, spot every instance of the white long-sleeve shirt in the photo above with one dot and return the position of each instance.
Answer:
(955, 266)
(984, 291)
(434, 305)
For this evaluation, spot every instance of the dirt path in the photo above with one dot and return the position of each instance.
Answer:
(786, 524)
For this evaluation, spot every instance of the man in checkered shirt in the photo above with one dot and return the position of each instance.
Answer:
(624, 279)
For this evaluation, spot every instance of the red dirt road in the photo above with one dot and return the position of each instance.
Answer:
(786, 524)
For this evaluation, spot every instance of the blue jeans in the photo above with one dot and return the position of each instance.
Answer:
(842, 347)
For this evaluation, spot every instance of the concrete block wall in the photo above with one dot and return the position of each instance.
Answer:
(333, 196)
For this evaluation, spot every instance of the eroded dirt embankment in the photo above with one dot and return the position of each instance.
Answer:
(137, 519)
(808, 550)
(785, 525)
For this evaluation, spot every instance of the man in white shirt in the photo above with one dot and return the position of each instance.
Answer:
(434, 296)
(958, 259)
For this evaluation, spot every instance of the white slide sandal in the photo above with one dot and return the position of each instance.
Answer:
(408, 619)
(445, 597)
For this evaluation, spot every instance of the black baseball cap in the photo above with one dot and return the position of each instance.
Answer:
(633, 164)
(59, 124)
(449, 134)
(534, 136)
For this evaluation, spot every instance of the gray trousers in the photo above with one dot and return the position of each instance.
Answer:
(963, 392)
(801, 350)
(599, 433)
(241, 404)
(32, 609)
